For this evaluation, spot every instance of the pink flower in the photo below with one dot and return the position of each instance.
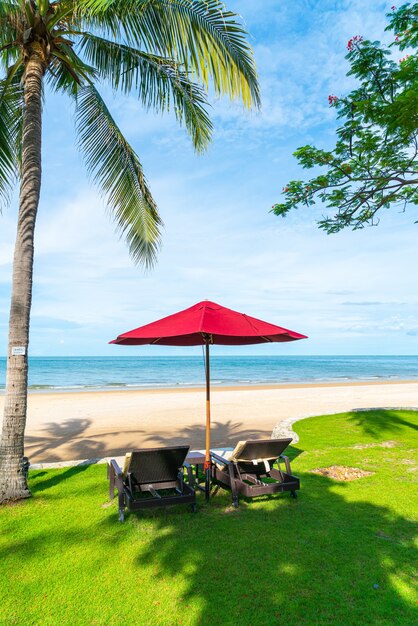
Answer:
(353, 41)
(405, 58)
(332, 100)
(393, 8)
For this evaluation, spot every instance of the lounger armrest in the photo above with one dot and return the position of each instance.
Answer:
(114, 474)
(220, 459)
(114, 464)
(286, 462)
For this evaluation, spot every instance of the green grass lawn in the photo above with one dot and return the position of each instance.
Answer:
(342, 553)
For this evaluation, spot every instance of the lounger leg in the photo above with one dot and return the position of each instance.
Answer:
(235, 500)
(121, 498)
(293, 494)
(111, 477)
(207, 484)
(121, 503)
(215, 490)
(193, 507)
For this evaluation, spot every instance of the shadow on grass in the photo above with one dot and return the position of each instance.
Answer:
(322, 559)
(380, 422)
(317, 560)
(55, 479)
(293, 452)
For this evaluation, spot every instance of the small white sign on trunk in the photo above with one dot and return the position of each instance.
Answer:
(18, 351)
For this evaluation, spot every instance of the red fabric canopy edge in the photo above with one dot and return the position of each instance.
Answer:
(207, 322)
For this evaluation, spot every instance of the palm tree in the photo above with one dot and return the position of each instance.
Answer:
(169, 52)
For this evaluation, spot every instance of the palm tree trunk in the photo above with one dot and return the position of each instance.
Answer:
(13, 485)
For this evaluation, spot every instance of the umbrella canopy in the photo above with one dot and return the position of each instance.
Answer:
(207, 323)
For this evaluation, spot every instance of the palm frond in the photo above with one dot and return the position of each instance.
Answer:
(160, 83)
(66, 71)
(8, 7)
(8, 56)
(11, 116)
(10, 17)
(61, 77)
(200, 35)
(117, 171)
(72, 61)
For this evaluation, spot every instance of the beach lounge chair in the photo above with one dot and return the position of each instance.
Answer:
(151, 477)
(248, 470)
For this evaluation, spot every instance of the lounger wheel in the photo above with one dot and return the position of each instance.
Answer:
(193, 507)
(293, 494)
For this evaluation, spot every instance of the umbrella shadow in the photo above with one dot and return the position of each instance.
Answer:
(223, 434)
(68, 439)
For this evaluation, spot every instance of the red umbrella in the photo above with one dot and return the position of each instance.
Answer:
(207, 323)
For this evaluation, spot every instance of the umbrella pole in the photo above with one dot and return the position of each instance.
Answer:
(207, 455)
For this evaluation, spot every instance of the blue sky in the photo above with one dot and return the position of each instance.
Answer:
(352, 293)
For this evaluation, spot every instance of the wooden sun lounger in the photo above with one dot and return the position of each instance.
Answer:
(151, 477)
(249, 471)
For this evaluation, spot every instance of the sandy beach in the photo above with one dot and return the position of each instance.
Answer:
(67, 426)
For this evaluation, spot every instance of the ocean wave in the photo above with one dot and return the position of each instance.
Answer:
(57, 387)
(116, 385)
(59, 374)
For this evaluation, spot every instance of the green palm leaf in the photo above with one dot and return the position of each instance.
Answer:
(116, 169)
(159, 82)
(9, 8)
(167, 52)
(200, 35)
(11, 101)
(9, 20)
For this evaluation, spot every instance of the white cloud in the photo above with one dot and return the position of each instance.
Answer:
(220, 242)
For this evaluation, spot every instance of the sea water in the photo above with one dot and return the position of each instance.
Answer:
(130, 372)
